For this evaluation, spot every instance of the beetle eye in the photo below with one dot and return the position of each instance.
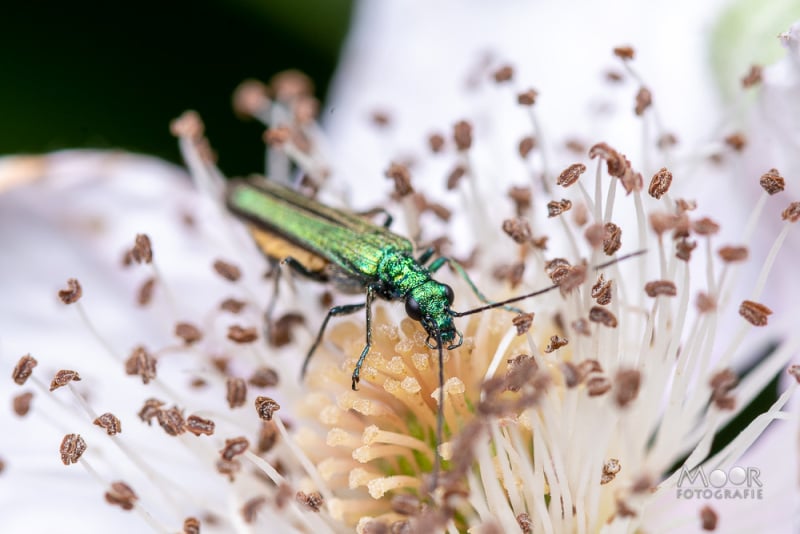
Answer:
(448, 292)
(412, 309)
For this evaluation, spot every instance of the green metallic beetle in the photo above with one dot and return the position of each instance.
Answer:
(331, 245)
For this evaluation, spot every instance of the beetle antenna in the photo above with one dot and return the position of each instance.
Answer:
(541, 291)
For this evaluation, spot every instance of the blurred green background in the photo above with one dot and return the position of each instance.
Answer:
(106, 75)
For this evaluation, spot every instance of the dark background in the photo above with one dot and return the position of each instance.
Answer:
(105, 75)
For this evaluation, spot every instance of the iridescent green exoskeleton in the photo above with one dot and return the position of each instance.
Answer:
(357, 254)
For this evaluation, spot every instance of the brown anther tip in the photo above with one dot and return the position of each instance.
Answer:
(229, 468)
(682, 226)
(616, 163)
(313, 501)
(22, 403)
(522, 322)
(661, 222)
(625, 52)
(597, 386)
(436, 142)
(252, 507)
(171, 421)
(305, 110)
(737, 141)
(23, 369)
(595, 234)
(517, 229)
(557, 269)
(573, 278)
(121, 495)
(540, 242)
(644, 99)
(142, 251)
(772, 182)
(705, 303)
(660, 288)
(626, 386)
(145, 293)
(613, 239)
(753, 77)
(631, 181)
(613, 76)
(267, 436)
(240, 334)
(462, 135)
(754, 313)
(660, 183)
(684, 248)
(64, 377)
(643, 483)
(200, 425)
(380, 118)
(441, 212)
(266, 407)
(73, 292)
(455, 176)
(575, 146)
(610, 469)
(191, 525)
(601, 291)
(232, 305)
(525, 146)
(708, 518)
(290, 84)
(141, 363)
(236, 389)
(264, 377)
(280, 331)
(794, 370)
(525, 523)
(557, 207)
(571, 374)
(188, 125)
(503, 74)
(401, 176)
(684, 205)
(521, 196)
(581, 327)
(571, 174)
(602, 316)
(722, 383)
(730, 254)
(667, 140)
(705, 226)
(150, 410)
(220, 363)
(278, 136)
(792, 213)
(511, 273)
(527, 98)
(72, 448)
(555, 344)
(110, 423)
(227, 270)
(234, 447)
(188, 332)
(250, 98)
